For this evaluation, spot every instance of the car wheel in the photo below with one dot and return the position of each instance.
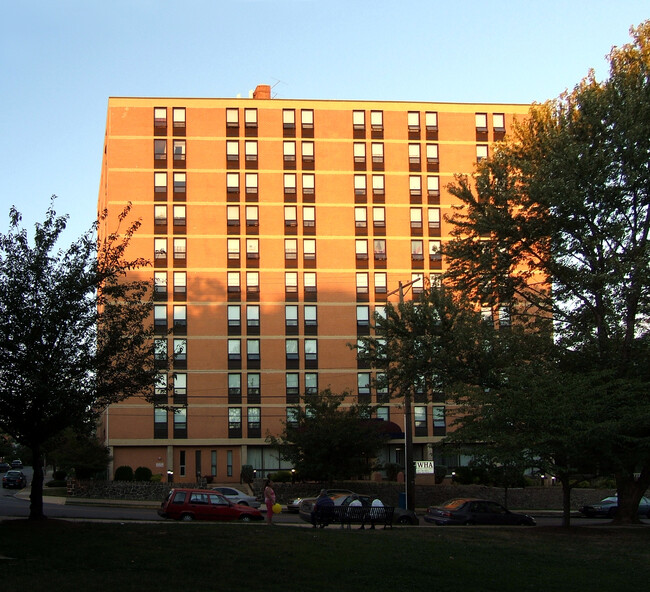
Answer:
(187, 517)
(470, 523)
(242, 503)
(244, 518)
(403, 520)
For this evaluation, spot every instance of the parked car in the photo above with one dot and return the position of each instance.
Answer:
(475, 511)
(294, 505)
(4, 467)
(607, 507)
(238, 497)
(204, 504)
(17, 464)
(400, 515)
(15, 479)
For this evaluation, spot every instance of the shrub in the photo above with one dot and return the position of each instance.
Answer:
(142, 474)
(440, 471)
(56, 483)
(157, 478)
(392, 469)
(281, 476)
(123, 473)
(247, 474)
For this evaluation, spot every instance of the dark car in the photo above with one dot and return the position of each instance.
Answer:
(15, 479)
(4, 467)
(607, 507)
(17, 464)
(475, 511)
(204, 504)
(294, 505)
(400, 515)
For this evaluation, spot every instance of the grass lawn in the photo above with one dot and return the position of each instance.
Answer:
(58, 556)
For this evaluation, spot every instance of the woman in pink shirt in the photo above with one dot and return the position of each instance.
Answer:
(269, 500)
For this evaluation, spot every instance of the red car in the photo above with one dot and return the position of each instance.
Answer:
(204, 504)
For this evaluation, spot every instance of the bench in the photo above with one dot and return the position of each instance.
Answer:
(348, 515)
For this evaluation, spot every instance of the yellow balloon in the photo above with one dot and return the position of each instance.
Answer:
(277, 508)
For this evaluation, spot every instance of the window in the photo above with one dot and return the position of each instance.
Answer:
(253, 350)
(379, 249)
(359, 151)
(309, 249)
(290, 316)
(377, 153)
(420, 420)
(160, 387)
(415, 185)
(311, 383)
(499, 122)
(253, 387)
(180, 318)
(417, 250)
(293, 415)
(289, 119)
(160, 117)
(311, 350)
(481, 122)
(382, 413)
(252, 282)
(160, 284)
(251, 183)
(413, 121)
(359, 184)
(418, 282)
(433, 186)
(234, 388)
(252, 317)
(376, 121)
(359, 120)
(160, 317)
(234, 422)
(435, 250)
(363, 386)
(252, 218)
(414, 154)
(307, 118)
(291, 349)
(378, 217)
(250, 150)
(289, 152)
(362, 283)
(234, 350)
(233, 248)
(292, 387)
(309, 216)
(160, 351)
(416, 218)
(178, 116)
(380, 282)
(179, 150)
(434, 218)
(180, 249)
(232, 150)
(363, 317)
(180, 388)
(481, 152)
(234, 316)
(431, 121)
(291, 282)
(311, 315)
(233, 282)
(180, 352)
(308, 184)
(435, 280)
(439, 423)
(252, 248)
(180, 425)
(432, 154)
(309, 281)
(307, 152)
(290, 216)
(160, 248)
(160, 182)
(254, 422)
(290, 248)
(361, 249)
(160, 216)
(160, 149)
(290, 183)
(232, 182)
(378, 184)
(360, 217)
(250, 118)
(232, 118)
(180, 283)
(180, 216)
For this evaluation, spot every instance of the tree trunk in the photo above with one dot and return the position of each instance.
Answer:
(630, 491)
(566, 501)
(36, 495)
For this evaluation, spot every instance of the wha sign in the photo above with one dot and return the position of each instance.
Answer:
(424, 467)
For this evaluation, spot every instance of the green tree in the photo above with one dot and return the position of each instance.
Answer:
(79, 451)
(557, 224)
(75, 335)
(328, 439)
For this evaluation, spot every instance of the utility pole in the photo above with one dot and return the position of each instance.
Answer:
(409, 465)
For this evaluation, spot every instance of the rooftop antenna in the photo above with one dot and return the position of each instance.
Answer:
(277, 81)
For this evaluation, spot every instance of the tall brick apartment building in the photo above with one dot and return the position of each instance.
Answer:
(276, 229)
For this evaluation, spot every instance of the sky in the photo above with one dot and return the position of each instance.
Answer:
(60, 61)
